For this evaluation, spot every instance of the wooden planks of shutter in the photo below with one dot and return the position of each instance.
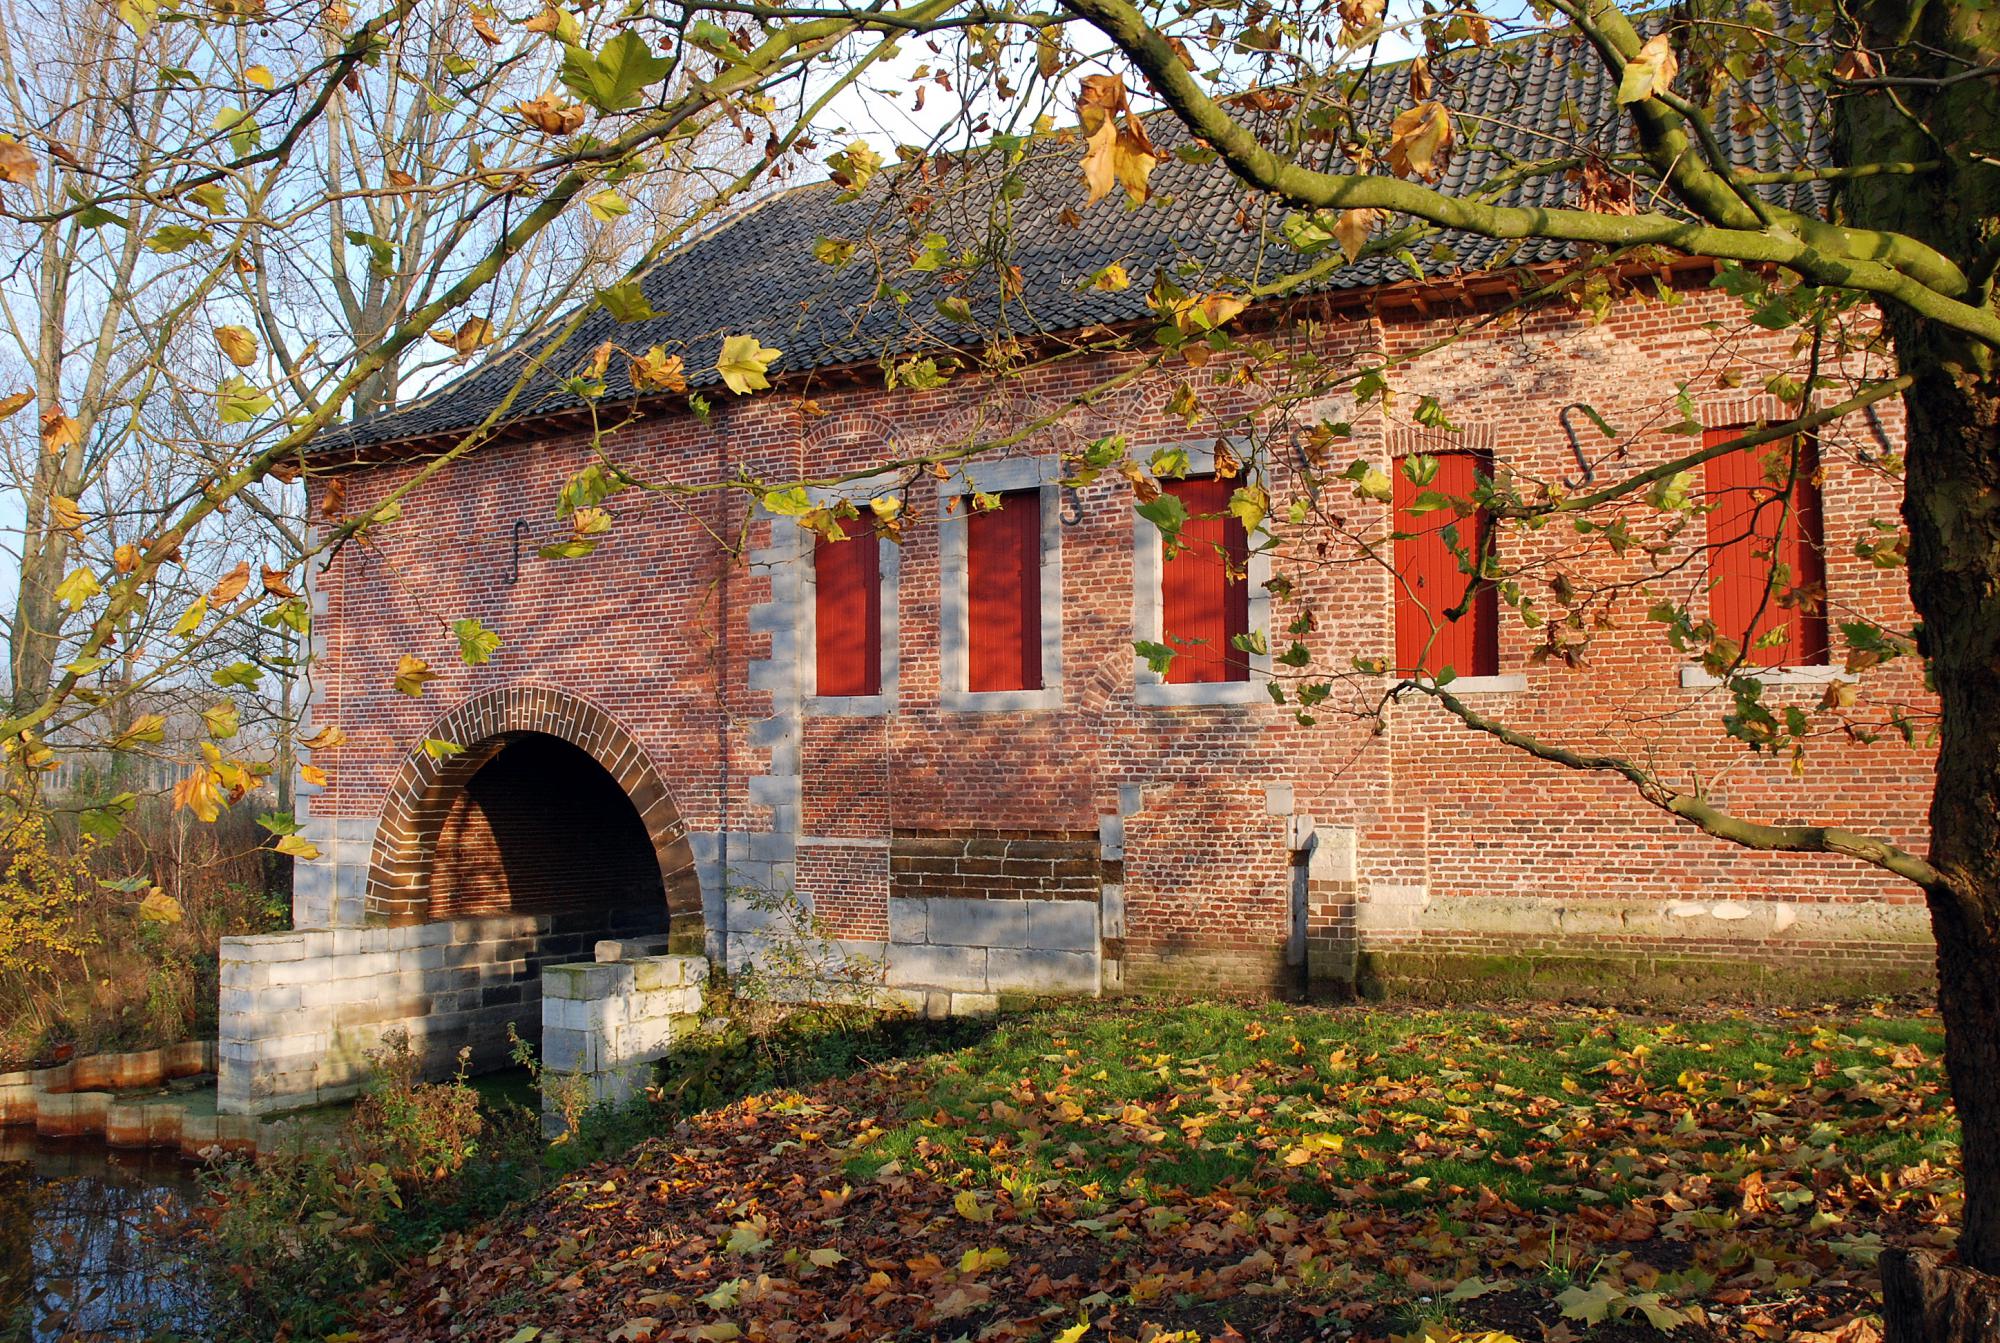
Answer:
(1003, 580)
(1756, 523)
(1205, 589)
(1431, 634)
(847, 611)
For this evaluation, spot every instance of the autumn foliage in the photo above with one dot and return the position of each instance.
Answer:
(1209, 1172)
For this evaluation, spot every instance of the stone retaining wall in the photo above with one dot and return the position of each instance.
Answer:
(301, 1010)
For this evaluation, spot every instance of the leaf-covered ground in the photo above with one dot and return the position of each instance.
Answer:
(1269, 1172)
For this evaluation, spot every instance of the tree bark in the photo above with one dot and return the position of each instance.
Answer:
(1945, 112)
(1952, 506)
(1935, 1302)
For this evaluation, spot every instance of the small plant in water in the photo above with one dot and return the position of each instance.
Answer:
(564, 1095)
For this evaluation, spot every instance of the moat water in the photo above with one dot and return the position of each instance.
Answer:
(85, 1246)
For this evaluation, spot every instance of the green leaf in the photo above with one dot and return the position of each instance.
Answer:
(1168, 514)
(437, 748)
(1591, 1305)
(221, 720)
(607, 205)
(244, 133)
(107, 818)
(238, 401)
(245, 674)
(835, 252)
(611, 80)
(792, 502)
(279, 823)
(381, 254)
(626, 302)
(1248, 504)
(1369, 482)
(476, 643)
(177, 238)
(1158, 656)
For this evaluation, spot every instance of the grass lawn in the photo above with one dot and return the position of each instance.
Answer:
(1207, 1171)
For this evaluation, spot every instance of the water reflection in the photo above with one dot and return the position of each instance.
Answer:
(80, 1253)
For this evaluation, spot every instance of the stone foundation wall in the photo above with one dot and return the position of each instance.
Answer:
(300, 1010)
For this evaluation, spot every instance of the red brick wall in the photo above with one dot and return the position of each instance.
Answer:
(647, 629)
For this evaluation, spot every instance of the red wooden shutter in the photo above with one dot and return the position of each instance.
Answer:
(1003, 585)
(1754, 526)
(1204, 590)
(847, 578)
(1430, 585)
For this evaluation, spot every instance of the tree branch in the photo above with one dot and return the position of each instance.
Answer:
(1692, 809)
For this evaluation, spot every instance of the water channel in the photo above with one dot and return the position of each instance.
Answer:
(82, 1254)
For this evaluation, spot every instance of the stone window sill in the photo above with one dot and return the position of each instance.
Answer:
(1002, 701)
(1697, 678)
(1166, 695)
(850, 706)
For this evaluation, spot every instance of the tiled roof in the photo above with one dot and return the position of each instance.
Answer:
(757, 275)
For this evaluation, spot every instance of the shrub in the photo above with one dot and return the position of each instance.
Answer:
(42, 894)
(422, 1131)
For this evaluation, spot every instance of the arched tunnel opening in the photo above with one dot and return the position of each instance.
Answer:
(542, 828)
(542, 833)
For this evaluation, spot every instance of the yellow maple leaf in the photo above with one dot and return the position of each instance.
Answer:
(238, 344)
(412, 674)
(78, 588)
(657, 371)
(159, 907)
(1117, 151)
(1351, 230)
(296, 847)
(200, 794)
(325, 739)
(1419, 141)
(743, 364)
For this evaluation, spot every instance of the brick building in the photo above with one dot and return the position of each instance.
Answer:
(947, 745)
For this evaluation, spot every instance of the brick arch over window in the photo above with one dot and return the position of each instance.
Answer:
(424, 791)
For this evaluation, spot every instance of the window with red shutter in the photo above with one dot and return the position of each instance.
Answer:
(1003, 588)
(1436, 628)
(1765, 541)
(847, 611)
(1205, 588)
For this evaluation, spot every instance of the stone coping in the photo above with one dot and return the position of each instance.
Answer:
(92, 1097)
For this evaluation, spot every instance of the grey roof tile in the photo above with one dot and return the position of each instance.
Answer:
(755, 274)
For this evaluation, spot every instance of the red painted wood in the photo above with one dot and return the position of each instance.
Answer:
(1756, 523)
(1205, 589)
(847, 578)
(1430, 583)
(1003, 582)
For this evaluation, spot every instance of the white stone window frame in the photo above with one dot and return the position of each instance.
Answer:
(1152, 690)
(889, 566)
(1004, 476)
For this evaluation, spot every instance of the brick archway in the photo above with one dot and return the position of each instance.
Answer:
(424, 790)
